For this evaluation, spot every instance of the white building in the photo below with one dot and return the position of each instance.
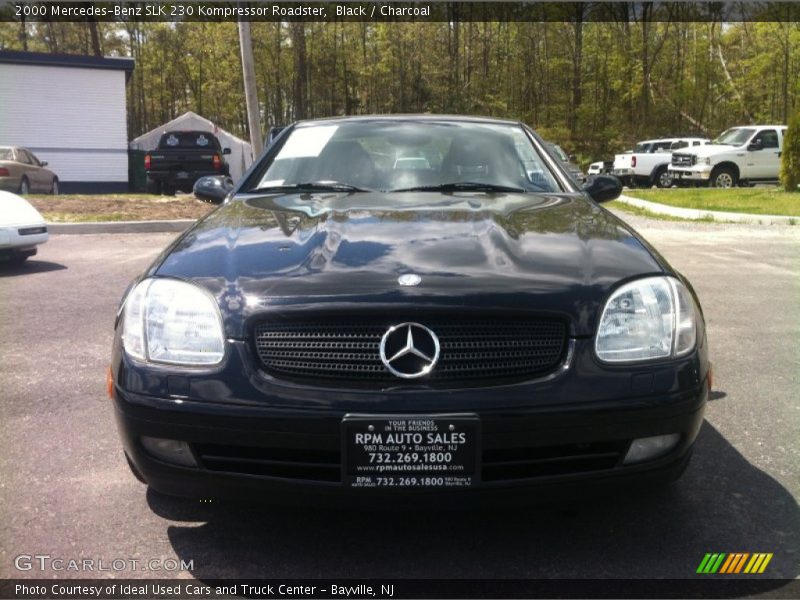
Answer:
(70, 110)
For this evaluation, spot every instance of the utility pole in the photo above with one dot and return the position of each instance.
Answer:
(250, 94)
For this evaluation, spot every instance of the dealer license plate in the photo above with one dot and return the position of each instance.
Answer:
(410, 451)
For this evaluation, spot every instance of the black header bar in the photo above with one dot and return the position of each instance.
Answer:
(387, 12)
(703, 586)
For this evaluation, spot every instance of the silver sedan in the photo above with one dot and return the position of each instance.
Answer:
(23, 173)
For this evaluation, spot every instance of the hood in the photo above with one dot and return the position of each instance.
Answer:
(710, 150)
(557, 254)
(15, 210)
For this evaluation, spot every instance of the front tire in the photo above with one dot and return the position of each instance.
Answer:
(663, 179)
(724, 177)
(54, 188)
(17, 259)
(24, 187)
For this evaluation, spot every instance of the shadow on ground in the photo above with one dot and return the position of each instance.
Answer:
(722, 504)
(8, 269)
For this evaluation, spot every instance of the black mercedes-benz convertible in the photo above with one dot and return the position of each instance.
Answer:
(408, 308)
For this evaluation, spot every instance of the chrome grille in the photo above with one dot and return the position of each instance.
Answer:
(683, 160)
(471, 349)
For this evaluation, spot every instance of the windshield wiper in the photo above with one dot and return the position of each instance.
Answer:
(311, 186)
(464, 186)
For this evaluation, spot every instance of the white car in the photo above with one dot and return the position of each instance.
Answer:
(22, 228)
(600, 167)
(741, 155)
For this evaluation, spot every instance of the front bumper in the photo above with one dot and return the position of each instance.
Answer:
(23, 237)
(182, 178)
(560, 435)
(694, 174)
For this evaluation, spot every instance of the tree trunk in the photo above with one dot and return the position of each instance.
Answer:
(731, 82)
(96, 49)
(645, 59)
(577, 62)
(300, 93)
(250, 93)
(23, 34)
(52, 39)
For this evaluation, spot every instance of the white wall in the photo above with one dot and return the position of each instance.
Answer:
(74, 118)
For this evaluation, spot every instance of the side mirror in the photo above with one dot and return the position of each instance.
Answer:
(272, 134)
(755, 145)
(226, 150)
(43, 163)
(572, 157)
(213, 188)
(602, 188)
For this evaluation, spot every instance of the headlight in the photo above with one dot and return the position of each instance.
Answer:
(172, 322)
(647, 319)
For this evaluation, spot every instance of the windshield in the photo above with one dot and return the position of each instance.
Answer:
(734, 137)
(394, 155)
(557, 150)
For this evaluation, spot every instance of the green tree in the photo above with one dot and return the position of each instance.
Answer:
(607, 76)
(790, 158)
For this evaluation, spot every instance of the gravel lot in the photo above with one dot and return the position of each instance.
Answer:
(65, 489)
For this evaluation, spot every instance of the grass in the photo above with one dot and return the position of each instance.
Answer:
(85, 208)
(91, 197)
(643, 212)
(755, 201)
(66, 217)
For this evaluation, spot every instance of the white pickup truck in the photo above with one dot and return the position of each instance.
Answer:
(649, 162)
(741, 155)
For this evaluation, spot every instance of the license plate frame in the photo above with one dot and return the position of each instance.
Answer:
(400, 469)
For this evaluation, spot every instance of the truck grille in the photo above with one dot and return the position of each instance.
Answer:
(470, 349)
(683, 160)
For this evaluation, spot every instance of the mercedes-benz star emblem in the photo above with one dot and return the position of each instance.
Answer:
(409, 350)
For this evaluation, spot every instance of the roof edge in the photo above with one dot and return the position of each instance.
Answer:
(76, 61)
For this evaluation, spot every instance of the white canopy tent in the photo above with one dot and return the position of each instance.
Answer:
(239, 159)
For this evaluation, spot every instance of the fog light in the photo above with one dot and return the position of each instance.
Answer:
(171, 451)
(648, 448)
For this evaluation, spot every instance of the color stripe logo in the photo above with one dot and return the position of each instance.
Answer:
(734, 563)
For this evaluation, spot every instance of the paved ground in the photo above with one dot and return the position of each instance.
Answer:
(65, 490)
